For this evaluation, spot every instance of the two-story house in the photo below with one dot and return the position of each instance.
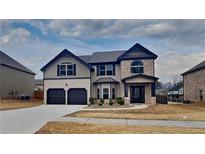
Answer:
(130, 74)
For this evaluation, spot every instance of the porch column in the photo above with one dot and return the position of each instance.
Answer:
(100, 91)
(110, 91)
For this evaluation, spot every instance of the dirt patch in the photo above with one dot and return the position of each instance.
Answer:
(168, 112)
(82, 128)
(10, 104)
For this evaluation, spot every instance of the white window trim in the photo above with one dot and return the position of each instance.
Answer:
(105, 93)
(66, 69)
(60, 70)
(137, 66)
(70, 69)
(106, 69)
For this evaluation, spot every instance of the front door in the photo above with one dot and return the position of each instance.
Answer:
(137, 94)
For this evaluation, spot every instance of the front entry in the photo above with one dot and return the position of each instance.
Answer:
(137, 94)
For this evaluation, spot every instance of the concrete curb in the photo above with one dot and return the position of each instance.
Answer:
(132, 122)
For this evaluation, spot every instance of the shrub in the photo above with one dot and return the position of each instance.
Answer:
(187, 102)
(120, 101)
(101, 102)
(110, 102)
(91, 100)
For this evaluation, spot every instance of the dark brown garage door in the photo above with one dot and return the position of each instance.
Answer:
(56, 96)
(77, 96)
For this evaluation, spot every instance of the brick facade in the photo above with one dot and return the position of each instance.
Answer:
(193, 83)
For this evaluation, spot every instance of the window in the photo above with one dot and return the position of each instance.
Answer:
(105, 93)
(113, 93)
(109, 69)
(103, 70)
(137, 67)
(62, 70)
(98, 93)
(66, 69)
(70, 70)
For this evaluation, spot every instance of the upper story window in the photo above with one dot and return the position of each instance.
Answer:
(66, 70)
(62, 70)
(103, 70)
(137, 67)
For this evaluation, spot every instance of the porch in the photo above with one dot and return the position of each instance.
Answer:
(139, 89)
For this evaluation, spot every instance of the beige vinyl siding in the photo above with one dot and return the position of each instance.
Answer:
(12, 79)
(81, 69)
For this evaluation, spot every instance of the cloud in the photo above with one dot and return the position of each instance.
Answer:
(171, 65)
(178, 32)
(179, 43)
(14, 36)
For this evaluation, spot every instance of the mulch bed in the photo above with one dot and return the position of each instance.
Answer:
(97, 106)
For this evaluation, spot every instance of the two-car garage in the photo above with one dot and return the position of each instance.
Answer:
(75, 96)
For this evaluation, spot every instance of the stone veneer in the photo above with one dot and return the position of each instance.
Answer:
(193, 83)
(126, 70)
(149, 100)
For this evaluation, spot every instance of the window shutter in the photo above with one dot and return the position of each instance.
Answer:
(58, 73)
(113, 69)
(74, 69)
(97, 70)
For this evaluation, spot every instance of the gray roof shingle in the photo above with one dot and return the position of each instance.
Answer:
(108, 56)
(195, 68)
(10, 62)
(85, 58)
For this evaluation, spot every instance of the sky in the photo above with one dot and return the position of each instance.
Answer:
(180, 44)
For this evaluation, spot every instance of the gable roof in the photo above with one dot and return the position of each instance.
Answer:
(141, 75)
(105, 80)
(116, 56)
(12, 63)
(198, 67)
(106, 56)
(136, 47)
(66, 52)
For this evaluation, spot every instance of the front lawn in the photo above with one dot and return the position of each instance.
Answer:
(82, 128)
(10, 104)
(158, 112)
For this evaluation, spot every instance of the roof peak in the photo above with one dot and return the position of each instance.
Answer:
(11, 62)
(197, 67)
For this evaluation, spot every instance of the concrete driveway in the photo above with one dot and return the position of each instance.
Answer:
(29, 120)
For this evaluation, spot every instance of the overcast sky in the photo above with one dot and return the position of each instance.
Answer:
(180, 44)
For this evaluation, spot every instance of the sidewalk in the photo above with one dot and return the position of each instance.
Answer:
(165, 123)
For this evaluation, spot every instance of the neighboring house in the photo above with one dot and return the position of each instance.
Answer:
(15, 79)
(130, 74)
(176, 95)
(162, 92)
(194, 83)
(38, 83)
